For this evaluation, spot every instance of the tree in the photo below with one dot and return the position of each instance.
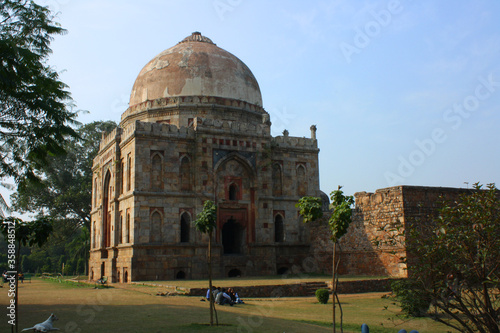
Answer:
(64, 188)
(340, 218)
(80, 247)
(205, 223)
(34, 116)
(19, 233)
(456, 261)
(310, 208)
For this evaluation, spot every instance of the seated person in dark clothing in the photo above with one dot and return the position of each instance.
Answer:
(223, 298)
(232, 294)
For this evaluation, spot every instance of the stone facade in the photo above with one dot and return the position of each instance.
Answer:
(373, 218)
(172, 153)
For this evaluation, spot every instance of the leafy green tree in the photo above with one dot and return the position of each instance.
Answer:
(63, 192)
(19, 233)
(455, 261)
(206, 222)
(79, 247)
(340, 218)
(310, 208)
(35, 119)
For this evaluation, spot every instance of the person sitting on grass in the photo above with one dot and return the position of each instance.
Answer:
(234, 296)
(215, 291)
(207, 296)
(231, 294)
(238, 299)
(223, 298)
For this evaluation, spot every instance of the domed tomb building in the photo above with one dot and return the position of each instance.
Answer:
(196, 130)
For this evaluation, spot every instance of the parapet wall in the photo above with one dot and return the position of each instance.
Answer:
(107, 138)
(233, 127)
(199, 124)
(202, 125)
(290, 142)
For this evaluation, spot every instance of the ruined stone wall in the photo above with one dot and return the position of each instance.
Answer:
(372, 245)
(374, 217)
(421, 203)
(359, 255)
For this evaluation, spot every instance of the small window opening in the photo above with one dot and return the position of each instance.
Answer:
(185, 222)
(279, 234)
(233, 192)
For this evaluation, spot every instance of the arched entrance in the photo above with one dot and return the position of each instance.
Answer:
(233, 237)
(106, 212)
(234, 273)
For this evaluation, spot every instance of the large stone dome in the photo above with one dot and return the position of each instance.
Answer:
(195, 67)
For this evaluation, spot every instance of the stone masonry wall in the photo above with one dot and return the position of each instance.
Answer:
(374, 219)
(304, 289)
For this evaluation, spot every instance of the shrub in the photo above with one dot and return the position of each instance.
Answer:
(412, 298)
(323, 295)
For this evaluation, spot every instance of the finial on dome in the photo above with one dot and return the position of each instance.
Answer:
(197, 37)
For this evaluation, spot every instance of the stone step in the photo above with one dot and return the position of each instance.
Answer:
(311, 287)
(316, 285)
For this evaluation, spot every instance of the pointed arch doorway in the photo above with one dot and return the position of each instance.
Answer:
(233, 224)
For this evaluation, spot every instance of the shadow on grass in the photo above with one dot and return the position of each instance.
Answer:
(194, 327)
(93, 316)
(349, 327)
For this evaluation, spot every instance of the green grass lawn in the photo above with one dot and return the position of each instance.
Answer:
(135, 308)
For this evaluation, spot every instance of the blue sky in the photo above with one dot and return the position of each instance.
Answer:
(402, 92)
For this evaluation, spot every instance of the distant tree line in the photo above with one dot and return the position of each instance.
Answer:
(64, 194)
(61, 192)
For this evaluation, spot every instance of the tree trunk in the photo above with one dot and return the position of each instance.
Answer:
(16, 298)
(211, 299)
